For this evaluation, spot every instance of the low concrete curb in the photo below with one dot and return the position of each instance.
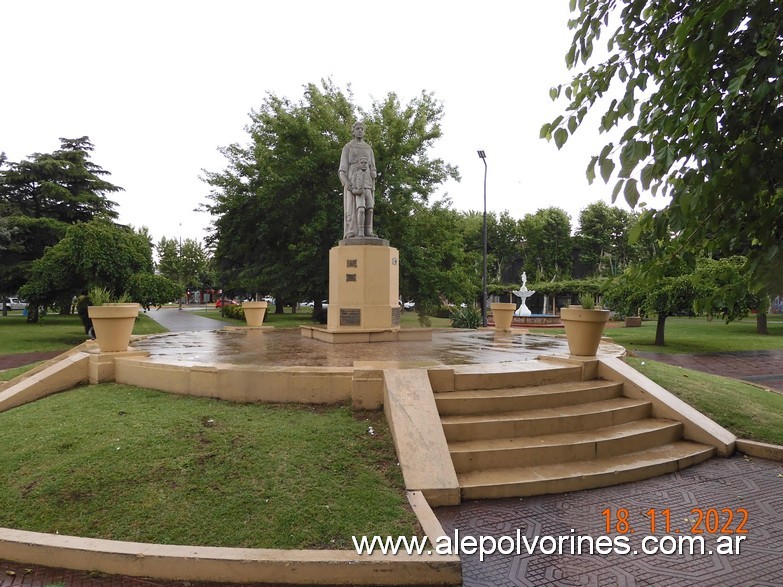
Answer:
(760, 450)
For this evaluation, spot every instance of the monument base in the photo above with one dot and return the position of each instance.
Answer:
(363, 336)
(364, 285)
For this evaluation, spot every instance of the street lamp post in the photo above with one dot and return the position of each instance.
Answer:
(483, 157)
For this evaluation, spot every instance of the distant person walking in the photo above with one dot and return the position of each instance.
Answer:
(82, 303)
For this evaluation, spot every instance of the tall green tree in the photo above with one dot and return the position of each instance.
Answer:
(91, 254)
(547, 244)
(602, 239)
(44, 194)
(504, 243)
(186, 263)
(277, 207)
(693, 91)
(440, 268)
(713, 288)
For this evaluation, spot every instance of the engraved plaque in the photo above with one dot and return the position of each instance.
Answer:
(352, 263)
(350, 317)
(395, 316)
(350, 277)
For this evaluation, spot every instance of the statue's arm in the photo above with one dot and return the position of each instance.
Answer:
(343, 171)
(373, 172)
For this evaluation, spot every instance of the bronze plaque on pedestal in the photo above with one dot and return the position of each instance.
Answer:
(350, 317)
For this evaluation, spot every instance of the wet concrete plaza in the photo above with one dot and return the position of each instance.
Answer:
(286, 347)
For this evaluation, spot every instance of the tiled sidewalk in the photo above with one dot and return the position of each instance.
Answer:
(760, 367)
(737, 482)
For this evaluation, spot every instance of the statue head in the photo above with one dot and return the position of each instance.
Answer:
(363, 163)
(358, 129)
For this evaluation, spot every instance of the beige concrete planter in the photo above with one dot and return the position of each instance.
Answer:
(583, 329)
(254, 312)
(113, 324)
(503, 314)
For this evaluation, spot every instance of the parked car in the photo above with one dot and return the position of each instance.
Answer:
(15, 304)
(409, 305)
(311, 304)
(221, 303)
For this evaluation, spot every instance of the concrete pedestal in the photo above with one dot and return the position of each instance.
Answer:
(364, 287)
(364, 293)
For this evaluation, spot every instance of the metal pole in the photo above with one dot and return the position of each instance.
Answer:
(484, 274)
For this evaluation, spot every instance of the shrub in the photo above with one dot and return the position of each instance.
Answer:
(587, 301)
(443, 312)
(235, 312)
(467, 317)
(153, 290)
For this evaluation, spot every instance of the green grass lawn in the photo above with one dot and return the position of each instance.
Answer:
(53, 332)
(8, 374)
(744, 409)
(122, 463)
(699, 335)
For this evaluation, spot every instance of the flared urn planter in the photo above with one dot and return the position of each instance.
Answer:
(113, 325)
(254, 312)
(503, 314)
(584, 329)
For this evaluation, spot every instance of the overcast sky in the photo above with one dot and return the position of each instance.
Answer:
(159, 86)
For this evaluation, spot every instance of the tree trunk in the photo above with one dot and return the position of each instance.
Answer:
(659, 330)
(32, 313)
(761, 323)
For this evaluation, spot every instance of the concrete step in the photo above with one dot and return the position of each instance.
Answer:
(489, 401)
(575, 418)
(500, 376)
(578, 475)
(527, 451)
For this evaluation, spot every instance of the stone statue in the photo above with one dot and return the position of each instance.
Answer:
(357, 174)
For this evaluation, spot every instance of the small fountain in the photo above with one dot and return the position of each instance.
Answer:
(523, 294)
(524, 317)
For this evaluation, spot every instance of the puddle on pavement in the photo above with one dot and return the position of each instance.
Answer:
(286, 347)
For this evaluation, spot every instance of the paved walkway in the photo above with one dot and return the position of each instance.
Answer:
(688, 498)
(183, 320)
(760, 367)
(20, 359)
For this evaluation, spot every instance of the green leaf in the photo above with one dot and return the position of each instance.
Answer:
(591, 170)
(561, 136)
(698, 52)
(607, 166)
(545, 131)
(616, 189)
(572, 124)
(647, 175)
(631, 193)
(571, 57)
(554, 92)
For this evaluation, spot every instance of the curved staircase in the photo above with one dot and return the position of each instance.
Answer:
(543, 431)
